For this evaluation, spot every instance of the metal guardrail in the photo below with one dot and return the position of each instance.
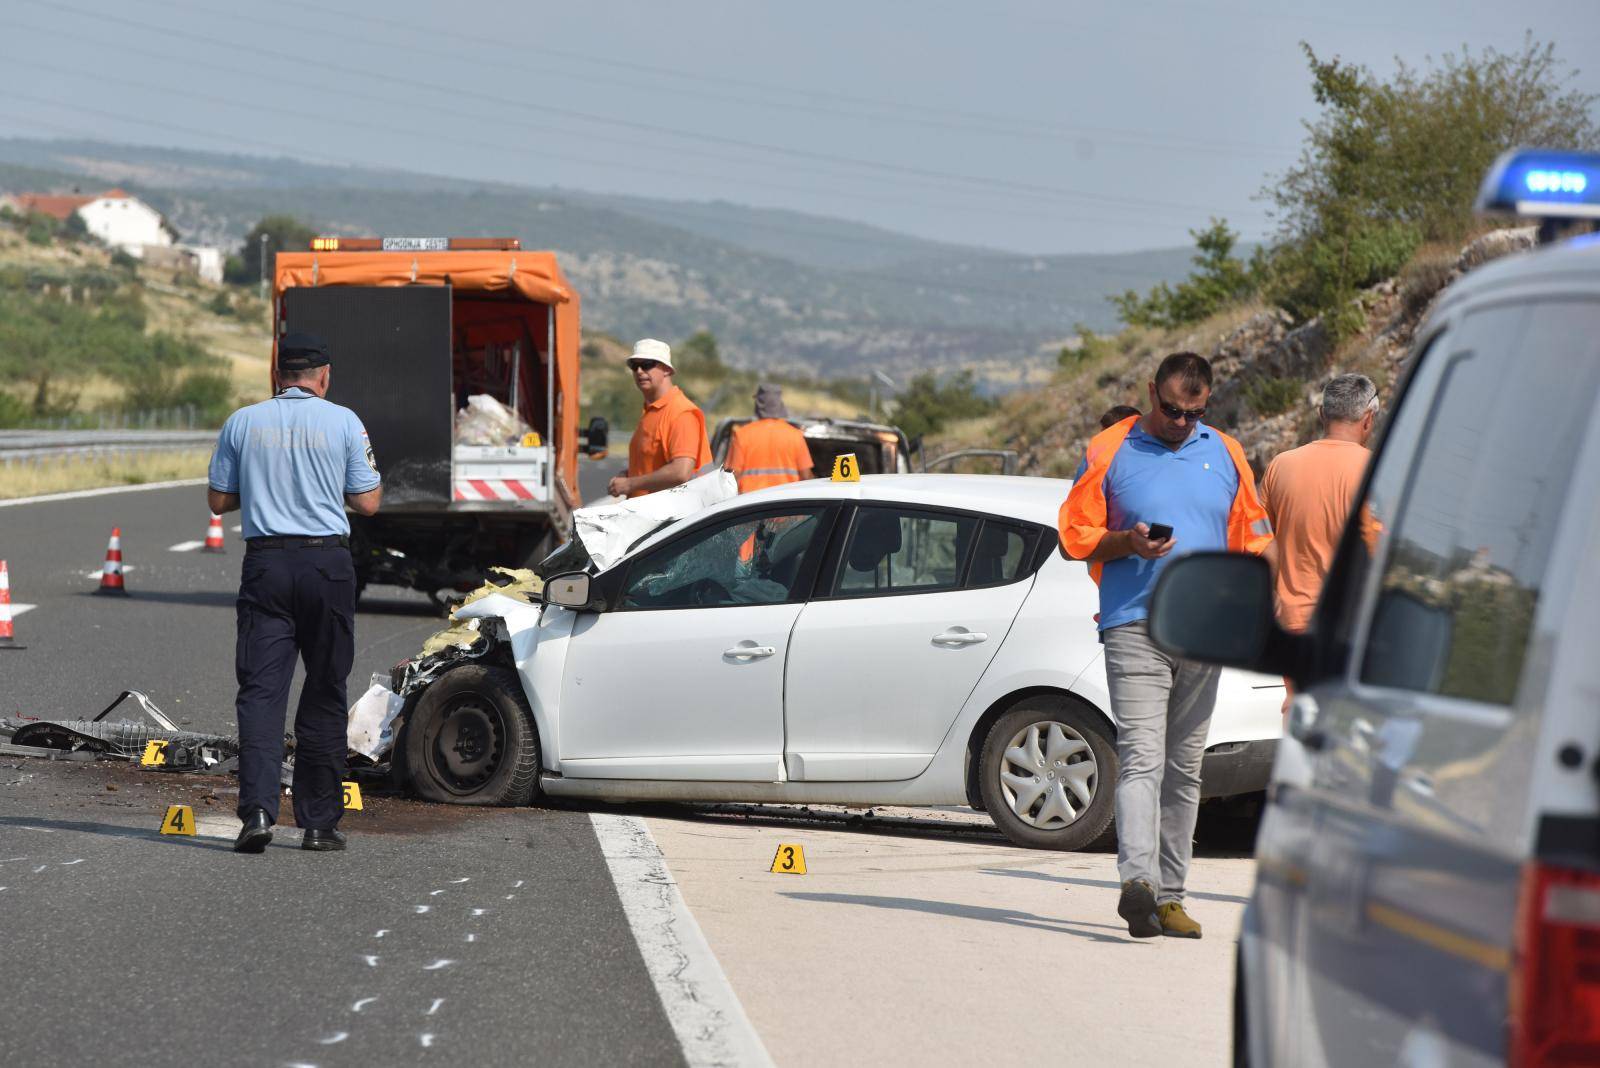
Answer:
(34, 446)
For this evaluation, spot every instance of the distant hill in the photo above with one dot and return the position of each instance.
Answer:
(780, 289)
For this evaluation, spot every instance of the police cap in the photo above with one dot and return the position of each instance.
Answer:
(302, 352)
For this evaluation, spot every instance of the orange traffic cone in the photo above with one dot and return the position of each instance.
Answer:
(7, 637)
(214, 537)
(111, 573)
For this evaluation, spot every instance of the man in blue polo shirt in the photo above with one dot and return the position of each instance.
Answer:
(1151, 485)
(292, 464)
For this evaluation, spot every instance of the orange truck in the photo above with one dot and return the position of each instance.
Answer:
(460, 355)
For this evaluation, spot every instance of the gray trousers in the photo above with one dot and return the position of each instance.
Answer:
(1163, 709)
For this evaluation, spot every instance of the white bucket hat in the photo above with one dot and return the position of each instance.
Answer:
(651, 349)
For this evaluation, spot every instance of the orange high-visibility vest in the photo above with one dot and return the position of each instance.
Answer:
(1082, 522)
(767, 452)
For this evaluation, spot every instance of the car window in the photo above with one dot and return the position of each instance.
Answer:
(1479, 506)
(895, 550)
(1001, 554)
(869, 455)
(741, 561)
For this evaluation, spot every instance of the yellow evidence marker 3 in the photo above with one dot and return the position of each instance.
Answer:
(179, 820)
(845, 468)
(790, 860)
(352, 796)
(155, 754)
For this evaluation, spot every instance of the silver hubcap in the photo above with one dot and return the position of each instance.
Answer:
(1048, 775)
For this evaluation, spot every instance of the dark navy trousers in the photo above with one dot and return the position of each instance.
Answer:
(295, 602)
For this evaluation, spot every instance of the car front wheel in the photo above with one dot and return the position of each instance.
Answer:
(471, 739)
(1048, 771)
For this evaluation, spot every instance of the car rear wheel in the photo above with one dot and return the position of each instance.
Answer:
(471, 739)
(1048, 768)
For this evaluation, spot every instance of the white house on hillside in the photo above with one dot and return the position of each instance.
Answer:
(117, 219)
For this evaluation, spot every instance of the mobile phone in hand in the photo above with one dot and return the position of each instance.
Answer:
(1159, 532)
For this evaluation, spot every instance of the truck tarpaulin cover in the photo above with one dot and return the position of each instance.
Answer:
(531, 276)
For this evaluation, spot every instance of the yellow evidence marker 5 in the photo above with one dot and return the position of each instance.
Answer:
(179, 820)
(790, 860)
(845, 468)
(155, 754)
(352, 796)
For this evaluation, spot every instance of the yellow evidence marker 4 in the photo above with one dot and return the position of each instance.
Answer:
(352, 796)
(155, 754)
(845, 468)
(790, 860)
(179, 820)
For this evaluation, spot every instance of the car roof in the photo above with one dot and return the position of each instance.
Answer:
(1574, 262)
(1036, 500)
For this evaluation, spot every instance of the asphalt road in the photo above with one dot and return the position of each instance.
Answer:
(450, 935)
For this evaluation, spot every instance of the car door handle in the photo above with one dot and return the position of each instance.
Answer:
(750, 652)
(956, 636)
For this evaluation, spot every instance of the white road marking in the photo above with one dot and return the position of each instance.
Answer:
(40, 868)
(8, 860)
(463, 879)
(705, 1013)
(371, 959)
(470, 937)
(96, 574)
(18, 609)
(434, 1007)
(517, 885)
(362, 1003)
(435, 893)
(78, 494)
(381, 933)
(70, 863)
(510, 897)
(185, 547)
(436, 965)
(237, 529)
(335, 1038)
(479, 912)
(426, 1038)
(420, 909)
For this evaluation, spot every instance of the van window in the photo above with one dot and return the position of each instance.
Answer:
(1481, 500)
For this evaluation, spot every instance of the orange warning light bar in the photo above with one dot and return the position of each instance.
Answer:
(415, 244)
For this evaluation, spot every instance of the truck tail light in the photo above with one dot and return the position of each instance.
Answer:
(1555, 985)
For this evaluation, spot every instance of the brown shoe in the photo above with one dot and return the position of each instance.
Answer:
(1138, 907)
(1176, 923)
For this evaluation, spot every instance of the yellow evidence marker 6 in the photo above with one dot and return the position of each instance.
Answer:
(845, 468)
(179, 820)
(352, 796)
(155, 754)
(790, 860)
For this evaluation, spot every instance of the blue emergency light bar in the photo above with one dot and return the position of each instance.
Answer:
(1543, 184)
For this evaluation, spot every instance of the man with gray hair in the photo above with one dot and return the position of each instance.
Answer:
(771, 451)
(1309, 491)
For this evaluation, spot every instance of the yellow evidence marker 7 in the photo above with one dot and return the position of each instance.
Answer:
(845, 468)
(179, 820)
(352, 796)
(790, 860)
(155, 754)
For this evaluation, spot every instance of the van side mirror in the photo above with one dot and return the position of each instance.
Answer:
(574, 590)
(597, 438)
(1218, 608)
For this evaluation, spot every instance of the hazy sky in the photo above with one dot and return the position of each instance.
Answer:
(1030, 125)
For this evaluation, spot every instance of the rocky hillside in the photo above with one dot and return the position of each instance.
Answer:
(1269, 374)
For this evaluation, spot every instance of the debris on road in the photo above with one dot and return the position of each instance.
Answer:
(89, 739)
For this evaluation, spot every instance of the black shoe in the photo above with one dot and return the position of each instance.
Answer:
(255, 834)
(1138, 907)
(329, 841)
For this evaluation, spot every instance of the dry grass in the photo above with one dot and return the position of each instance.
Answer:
(76, 473)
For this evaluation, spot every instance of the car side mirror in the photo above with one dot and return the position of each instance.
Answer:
(574, 590)
(597, 439)
(1218, 608)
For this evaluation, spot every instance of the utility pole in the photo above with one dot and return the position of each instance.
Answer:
(263, 266)
(877, 377)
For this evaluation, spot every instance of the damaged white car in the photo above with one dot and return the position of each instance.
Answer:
(904, 640)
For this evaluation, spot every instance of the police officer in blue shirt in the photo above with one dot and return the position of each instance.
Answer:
(292, 464)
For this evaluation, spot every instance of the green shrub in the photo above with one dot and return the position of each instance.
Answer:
(1218, 280)
(121, 259)
(1268, 396)
(14, 411)
(220, 304)
(926, 405)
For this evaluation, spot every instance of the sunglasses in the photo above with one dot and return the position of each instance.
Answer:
(643, 365)
(1172, 411)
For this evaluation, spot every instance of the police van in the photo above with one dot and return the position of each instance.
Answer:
(1428, 886)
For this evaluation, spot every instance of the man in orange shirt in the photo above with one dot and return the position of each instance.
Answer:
(1308, 493)
(770, 451)
(669, 445)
